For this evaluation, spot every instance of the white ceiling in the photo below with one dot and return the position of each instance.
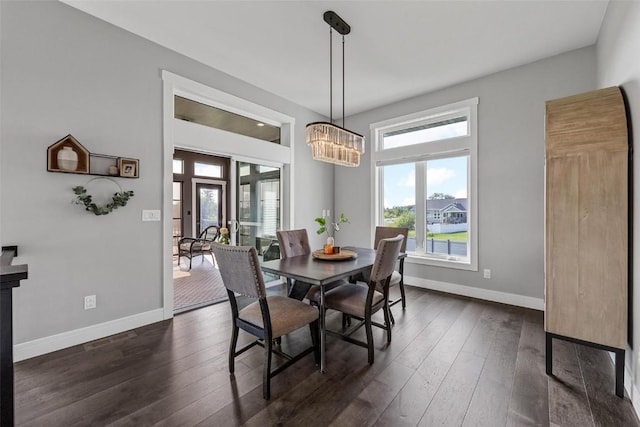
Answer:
(396, 49)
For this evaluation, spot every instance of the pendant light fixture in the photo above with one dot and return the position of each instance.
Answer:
(329, 142)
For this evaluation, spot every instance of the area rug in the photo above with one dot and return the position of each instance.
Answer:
(198, 287)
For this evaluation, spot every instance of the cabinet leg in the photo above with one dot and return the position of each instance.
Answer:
(549, 353)
(620, 373)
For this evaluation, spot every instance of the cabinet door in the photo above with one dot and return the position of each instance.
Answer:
(586, 246)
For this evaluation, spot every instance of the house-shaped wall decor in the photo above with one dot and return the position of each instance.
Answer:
(67, 155)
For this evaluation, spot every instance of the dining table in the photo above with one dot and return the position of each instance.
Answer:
(322, 271)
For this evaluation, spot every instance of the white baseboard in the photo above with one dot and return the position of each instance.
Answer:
(40, 346)
(484, 294)
(629, 384)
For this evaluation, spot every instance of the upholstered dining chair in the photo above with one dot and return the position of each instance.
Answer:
(192, 246)
(268, 318)
(397, 278)
(293, 243)
(360, 301)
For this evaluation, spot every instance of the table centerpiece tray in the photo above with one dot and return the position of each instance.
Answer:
(343, 255)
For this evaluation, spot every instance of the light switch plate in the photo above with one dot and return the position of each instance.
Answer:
(151, 215)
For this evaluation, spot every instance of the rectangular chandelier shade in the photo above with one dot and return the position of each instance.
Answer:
(333, 144)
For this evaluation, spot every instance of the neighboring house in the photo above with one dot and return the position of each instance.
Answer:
(447, 211)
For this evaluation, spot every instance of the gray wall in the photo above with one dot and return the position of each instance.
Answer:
(510, 169)
(63, 72)
(619, 65)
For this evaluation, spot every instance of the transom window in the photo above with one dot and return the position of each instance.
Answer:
(426, 168)
(207, 169)
(207, 115)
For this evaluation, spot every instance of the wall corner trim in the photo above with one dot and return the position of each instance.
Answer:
(484, 294)
(40, 346)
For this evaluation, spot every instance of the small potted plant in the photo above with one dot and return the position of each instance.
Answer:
(224, 236)
(330, 228)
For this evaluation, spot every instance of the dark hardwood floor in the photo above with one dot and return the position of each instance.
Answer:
(453, 361)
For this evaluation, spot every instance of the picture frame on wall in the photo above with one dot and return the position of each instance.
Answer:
(129, 168)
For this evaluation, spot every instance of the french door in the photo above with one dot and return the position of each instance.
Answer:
(257, 207)
(209, 201)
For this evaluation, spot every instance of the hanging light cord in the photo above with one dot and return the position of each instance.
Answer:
(343, 81)
(330, 75)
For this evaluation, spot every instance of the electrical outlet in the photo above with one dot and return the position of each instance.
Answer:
(89, 302)
(487, 273)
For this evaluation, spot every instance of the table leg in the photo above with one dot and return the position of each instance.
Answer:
(323, 331)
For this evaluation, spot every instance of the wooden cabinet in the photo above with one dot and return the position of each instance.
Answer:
(586, 259)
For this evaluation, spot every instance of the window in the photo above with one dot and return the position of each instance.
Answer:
(206, 115)
(207, 169)
(178, 166)
(426, 167)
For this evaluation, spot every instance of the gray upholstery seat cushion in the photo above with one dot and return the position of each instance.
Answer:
(350, 298)
(287, 314)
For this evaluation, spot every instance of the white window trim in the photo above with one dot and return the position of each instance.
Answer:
(416, 153)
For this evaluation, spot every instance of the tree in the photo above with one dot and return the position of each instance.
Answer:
(440, 196)
(406, 219)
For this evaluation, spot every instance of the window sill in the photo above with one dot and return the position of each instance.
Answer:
(416, 258)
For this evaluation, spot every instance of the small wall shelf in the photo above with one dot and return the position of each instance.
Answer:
(88, 163)
(72, 144)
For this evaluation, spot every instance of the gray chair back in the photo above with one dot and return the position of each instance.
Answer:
(387, 232)
(240, 269)
(386, 257)
(293, 243)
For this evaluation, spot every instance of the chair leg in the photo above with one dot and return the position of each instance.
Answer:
(367, 326)
(387, 317)
(393, 320)
(266, 375)
(315, 340)
(232, 348)
(404, 299)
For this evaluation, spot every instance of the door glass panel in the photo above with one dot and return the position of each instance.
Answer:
(259, 209)
(208, 206)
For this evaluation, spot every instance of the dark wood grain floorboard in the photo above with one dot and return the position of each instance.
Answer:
(413, 399)
(529, 403)
(490, 402)
(598, 374)
(452, 361)
(568, 404)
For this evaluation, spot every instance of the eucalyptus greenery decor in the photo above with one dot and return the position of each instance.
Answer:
(83, 198)
(330, 227)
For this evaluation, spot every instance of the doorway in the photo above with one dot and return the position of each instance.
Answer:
(200, 200)
(205, 136)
